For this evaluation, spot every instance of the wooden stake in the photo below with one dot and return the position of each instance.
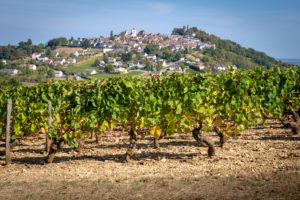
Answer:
(7, 139)
(48, 141)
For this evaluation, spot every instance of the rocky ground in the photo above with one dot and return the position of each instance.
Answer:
(262, 163)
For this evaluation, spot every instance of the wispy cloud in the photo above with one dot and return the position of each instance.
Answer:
(161, 8)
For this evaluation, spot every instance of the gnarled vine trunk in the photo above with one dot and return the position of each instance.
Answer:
(204, 140)
(55, 145)
(295, 124)
(132, 145)
(156, 140)
(221, 135)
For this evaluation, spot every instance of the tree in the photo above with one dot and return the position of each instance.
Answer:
(112, 37)
(178, 31)
(29, 42)
(149, 67)
(67, 74)
(50, 73)
(86, 43)
(72, 55)
(96, 63)
(62, 41)
(105, 59)
(151, 49)
(1, 65)
(182, 66)
(109, 68)
(27, 71)
(126, 57)
(48, 51)
(42, 70)
(159, 66)
(11, 82)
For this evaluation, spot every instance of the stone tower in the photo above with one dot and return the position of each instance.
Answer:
(133, 32)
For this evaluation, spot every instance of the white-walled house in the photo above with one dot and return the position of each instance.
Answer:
(4, 62)
(136, 64)
(89, 72)
(42, 58)
(151, 57)
(71, 61)
(118, 64)
(32, 67)
(121, 70)
(62, 60)
(49, 61)
(35, 55)
(175, 67)
(201, 66)
(79, 53)
(221, 67)
(164, 63)
(58, 74)
(59, 62)
(105, 50)
(111, 60)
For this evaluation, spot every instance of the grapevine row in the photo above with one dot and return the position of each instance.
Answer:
(226, 103)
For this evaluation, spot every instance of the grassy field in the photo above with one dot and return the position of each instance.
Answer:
(74, 69)
(106, 75)
(89, 62)
(81, 66)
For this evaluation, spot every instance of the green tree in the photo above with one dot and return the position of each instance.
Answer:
(159, 65)
(151, 49)
(96, 63)
(86, 43)
(62, 41)
(126, 57)
(149, 67)
(42, 70)
(112, 37)
(109, 68)
(48, 51)
(27, 71)
(182, 66)
(29, 42)
(105, 58)
(50, 73)
(1, 65)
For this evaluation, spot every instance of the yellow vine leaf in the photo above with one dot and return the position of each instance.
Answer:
(155, 131)
(43, 130)
(104, 126)
(58, 118)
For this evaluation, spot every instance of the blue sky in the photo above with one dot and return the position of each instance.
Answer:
(271, 26)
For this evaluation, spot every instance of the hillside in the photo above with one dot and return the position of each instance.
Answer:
(229, 52)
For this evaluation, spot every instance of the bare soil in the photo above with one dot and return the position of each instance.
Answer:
(262, 163)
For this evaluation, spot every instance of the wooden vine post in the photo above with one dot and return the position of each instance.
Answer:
(7, 136)
(48, 141)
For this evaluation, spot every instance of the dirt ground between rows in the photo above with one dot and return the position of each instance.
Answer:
(262, 163)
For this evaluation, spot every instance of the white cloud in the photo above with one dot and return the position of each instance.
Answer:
(161, 8)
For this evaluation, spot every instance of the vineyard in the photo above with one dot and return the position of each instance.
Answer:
(227, 103)
(200, 106)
